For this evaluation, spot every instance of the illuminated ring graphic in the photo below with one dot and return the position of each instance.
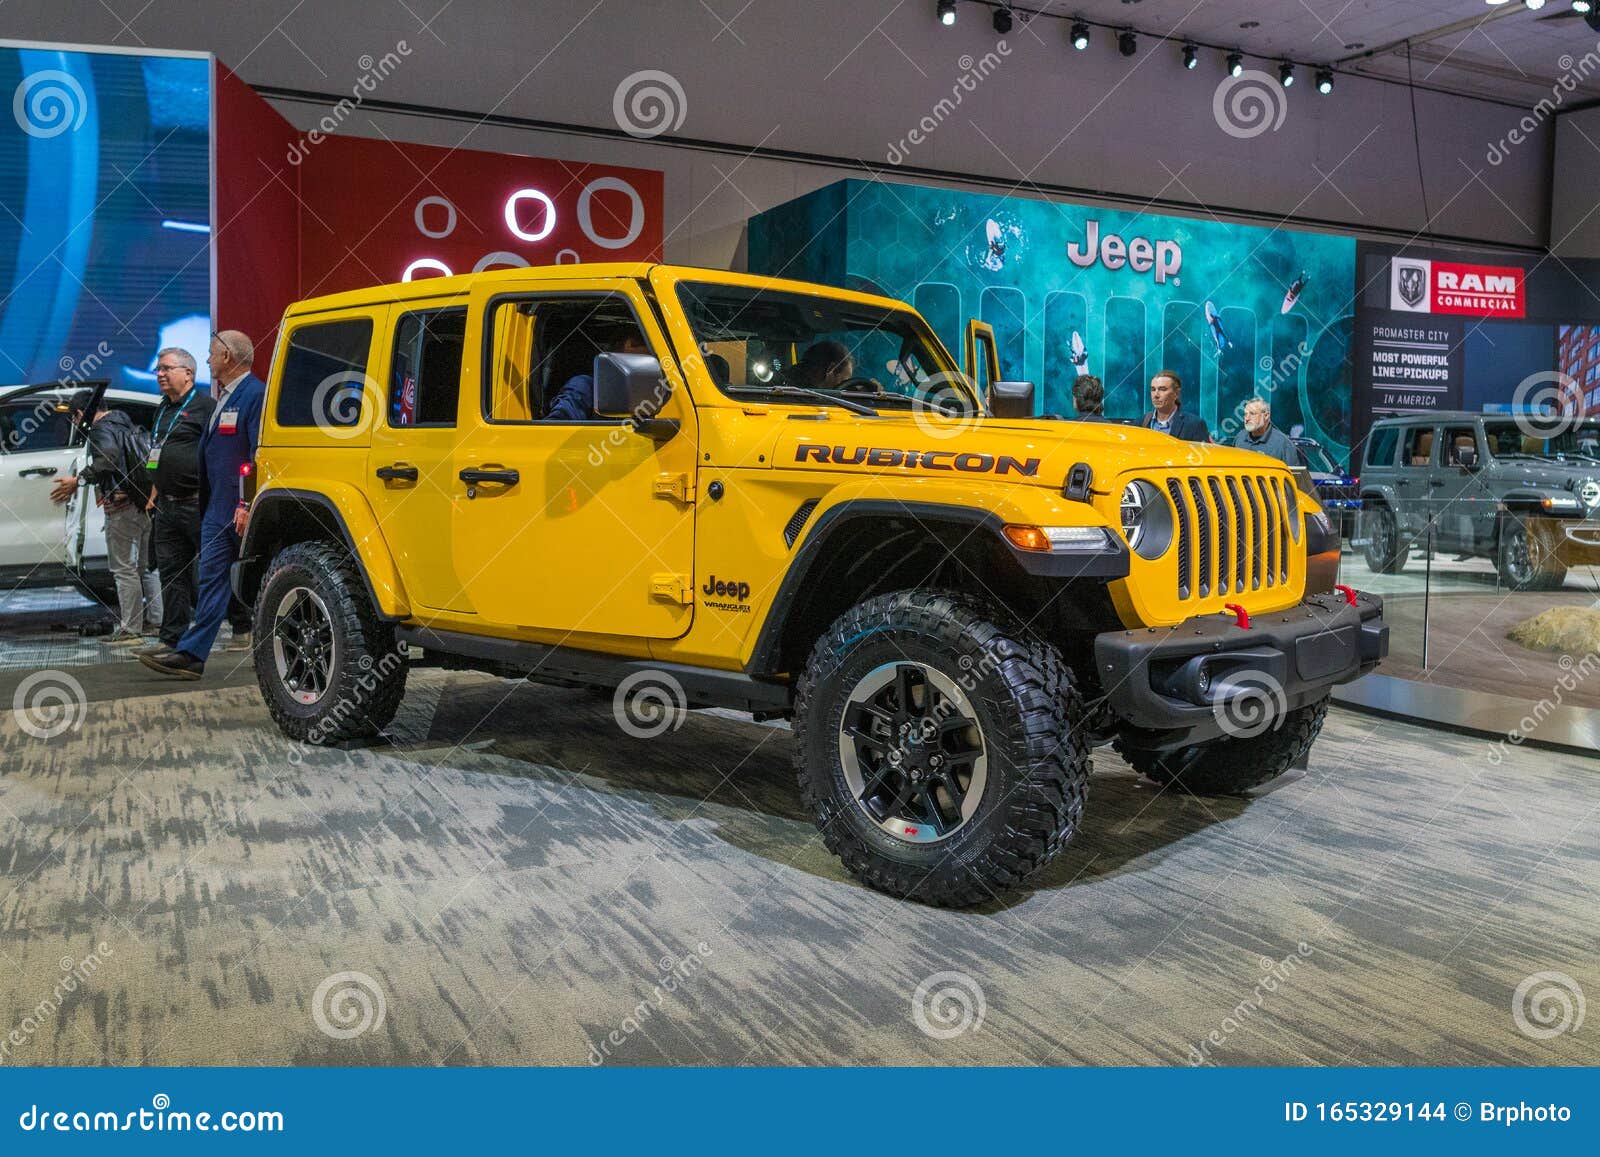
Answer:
(416, 215)
(549, 214)
(422, 263)
(586, 212)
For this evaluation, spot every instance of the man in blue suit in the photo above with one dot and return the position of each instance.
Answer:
(227, 444)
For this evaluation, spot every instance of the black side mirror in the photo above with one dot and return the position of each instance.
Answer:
(1467, 458)
(1011, 399)
(632, 386)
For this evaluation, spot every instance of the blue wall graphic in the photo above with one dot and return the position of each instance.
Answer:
(1235, 310)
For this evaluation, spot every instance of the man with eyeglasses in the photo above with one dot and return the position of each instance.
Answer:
(174, 464)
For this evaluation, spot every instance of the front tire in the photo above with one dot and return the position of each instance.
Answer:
(1386, 550)
(1524, 565)
(329, 668)
(939, 748)
(1235, 765)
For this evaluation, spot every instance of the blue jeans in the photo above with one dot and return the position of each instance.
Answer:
(219, 550)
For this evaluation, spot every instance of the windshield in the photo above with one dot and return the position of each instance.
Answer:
(1317, 460)
(1580, 442)
(767, 341)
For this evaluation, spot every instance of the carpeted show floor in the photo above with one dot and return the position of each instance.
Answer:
(516, 881)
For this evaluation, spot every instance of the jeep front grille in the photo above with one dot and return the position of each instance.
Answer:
(1232, 533)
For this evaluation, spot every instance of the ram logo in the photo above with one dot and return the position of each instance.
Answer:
(1412, 281)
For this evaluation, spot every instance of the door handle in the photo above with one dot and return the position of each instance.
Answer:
(36, 472)
(399, 472)
(490, 474)
(1436, 482)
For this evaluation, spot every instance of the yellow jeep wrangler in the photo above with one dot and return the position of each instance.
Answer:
(709, 489)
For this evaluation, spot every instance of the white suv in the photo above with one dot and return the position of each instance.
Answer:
(42, 543)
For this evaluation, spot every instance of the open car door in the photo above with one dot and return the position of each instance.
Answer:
(39, 444)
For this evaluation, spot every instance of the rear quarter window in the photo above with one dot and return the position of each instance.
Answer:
(324, 376)
(1380, 446)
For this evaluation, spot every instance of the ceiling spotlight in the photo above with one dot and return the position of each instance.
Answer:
(1003, 20)
(947, 12)
(1286, 73)
(1191, 56)
(1324, 80)
(1127, 42)
(1533, 5)
(1582, 7)
(1235, 63)
(1080, 35)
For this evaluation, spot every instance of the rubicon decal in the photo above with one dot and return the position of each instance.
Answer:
(1417, 285)
(889, 456)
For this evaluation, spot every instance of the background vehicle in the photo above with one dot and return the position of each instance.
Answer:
(44, 544)
(1491, 485)
(794, 505)
(1337, 490)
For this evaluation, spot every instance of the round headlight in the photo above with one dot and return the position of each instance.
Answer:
(1589, 492)
(1146, 519)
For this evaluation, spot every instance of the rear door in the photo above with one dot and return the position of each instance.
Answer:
(38, 445)
(1412, 479)
(1457, 496)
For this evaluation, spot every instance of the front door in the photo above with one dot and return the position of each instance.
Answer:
(38, 446)
(1457, 494)
(568, 521)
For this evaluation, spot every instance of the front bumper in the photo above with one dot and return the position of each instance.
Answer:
(1175, 686)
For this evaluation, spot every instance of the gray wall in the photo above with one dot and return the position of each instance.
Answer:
(852, 78)
(1575, 194)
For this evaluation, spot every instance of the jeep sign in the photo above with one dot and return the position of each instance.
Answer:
(1139, 254)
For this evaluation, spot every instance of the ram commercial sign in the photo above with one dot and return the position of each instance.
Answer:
(1417, 285)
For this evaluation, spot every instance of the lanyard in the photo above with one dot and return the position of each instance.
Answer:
(161, 439)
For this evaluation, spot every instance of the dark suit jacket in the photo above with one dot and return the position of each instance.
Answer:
(1189, 427)
(222, 453)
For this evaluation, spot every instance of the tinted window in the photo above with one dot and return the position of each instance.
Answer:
(425, 377)
(1380, 446)
(538, 346)
(324, 368)
(34, 425)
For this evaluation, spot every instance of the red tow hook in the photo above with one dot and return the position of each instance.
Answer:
(1241, 617)
(1349, 593)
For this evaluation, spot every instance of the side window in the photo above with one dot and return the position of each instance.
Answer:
(540, 353)
(425, 373)
(1456, 440)
(1380, 446)
(324, 368)
(1418, 447)
(34, 425)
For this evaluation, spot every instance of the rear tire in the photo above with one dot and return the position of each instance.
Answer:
(1231, 766)
(939, 748)
(1522, 563)
(329, 668)
(1386, 550)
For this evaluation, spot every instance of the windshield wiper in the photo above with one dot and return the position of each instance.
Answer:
(814, 395)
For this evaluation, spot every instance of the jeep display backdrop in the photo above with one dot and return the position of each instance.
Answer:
(1235, 310)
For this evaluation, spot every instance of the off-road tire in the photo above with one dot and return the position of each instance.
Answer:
(1386, 549)
(367, 672)
(1234, 765)
(1030, 717)
(1533, 570)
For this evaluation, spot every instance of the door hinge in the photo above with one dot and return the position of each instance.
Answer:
(672, 588)
(674, 486)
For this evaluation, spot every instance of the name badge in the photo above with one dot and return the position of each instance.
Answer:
(155, 458)
(228, 423)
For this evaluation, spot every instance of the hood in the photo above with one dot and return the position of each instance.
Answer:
(1552, 475)
(1010, 450)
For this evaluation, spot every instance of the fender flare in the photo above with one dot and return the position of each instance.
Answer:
(350, 515)
(1112, 563)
